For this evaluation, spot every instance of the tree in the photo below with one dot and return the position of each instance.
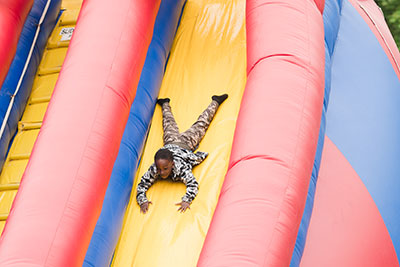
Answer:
(391, 10)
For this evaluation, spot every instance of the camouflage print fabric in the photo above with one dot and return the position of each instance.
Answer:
(184, 161)
(192, 136)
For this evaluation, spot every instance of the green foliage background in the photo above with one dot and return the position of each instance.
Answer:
(391, 9)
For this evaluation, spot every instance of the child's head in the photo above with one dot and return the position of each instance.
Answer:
(164, 162)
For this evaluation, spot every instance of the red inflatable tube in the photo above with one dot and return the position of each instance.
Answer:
(61, 194)
(263, 196)
(12, 18)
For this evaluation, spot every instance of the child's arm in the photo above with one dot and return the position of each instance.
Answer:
(192, 187)
(199, 157)
(147, 180)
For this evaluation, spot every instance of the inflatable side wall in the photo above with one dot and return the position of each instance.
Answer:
(18, 84)
(108, 228)
(265, 189)
(355, 217)
(61, 192)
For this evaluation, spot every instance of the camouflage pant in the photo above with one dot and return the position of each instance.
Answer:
(191, 138)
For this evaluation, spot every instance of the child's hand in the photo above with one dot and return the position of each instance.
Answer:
(145, 207)
(183, 206)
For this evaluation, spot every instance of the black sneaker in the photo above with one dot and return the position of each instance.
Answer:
(161, 101)
(220, 98)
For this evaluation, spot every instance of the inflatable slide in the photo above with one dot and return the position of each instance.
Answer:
(302, 156)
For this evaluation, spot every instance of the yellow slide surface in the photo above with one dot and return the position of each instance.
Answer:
(29, 126)
(208, 57)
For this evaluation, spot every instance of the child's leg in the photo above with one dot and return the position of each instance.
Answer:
(196, 132)
(171, 130)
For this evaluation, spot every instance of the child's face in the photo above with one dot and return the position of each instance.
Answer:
(164, 167)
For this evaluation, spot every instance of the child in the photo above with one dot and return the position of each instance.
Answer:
(177, 158)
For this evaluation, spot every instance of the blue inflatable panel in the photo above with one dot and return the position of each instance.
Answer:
(18, 84)
(363, 115)
(331, 18)
(108, 228)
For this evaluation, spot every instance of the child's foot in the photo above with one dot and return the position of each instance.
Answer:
(220, 98)
(161, 101)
